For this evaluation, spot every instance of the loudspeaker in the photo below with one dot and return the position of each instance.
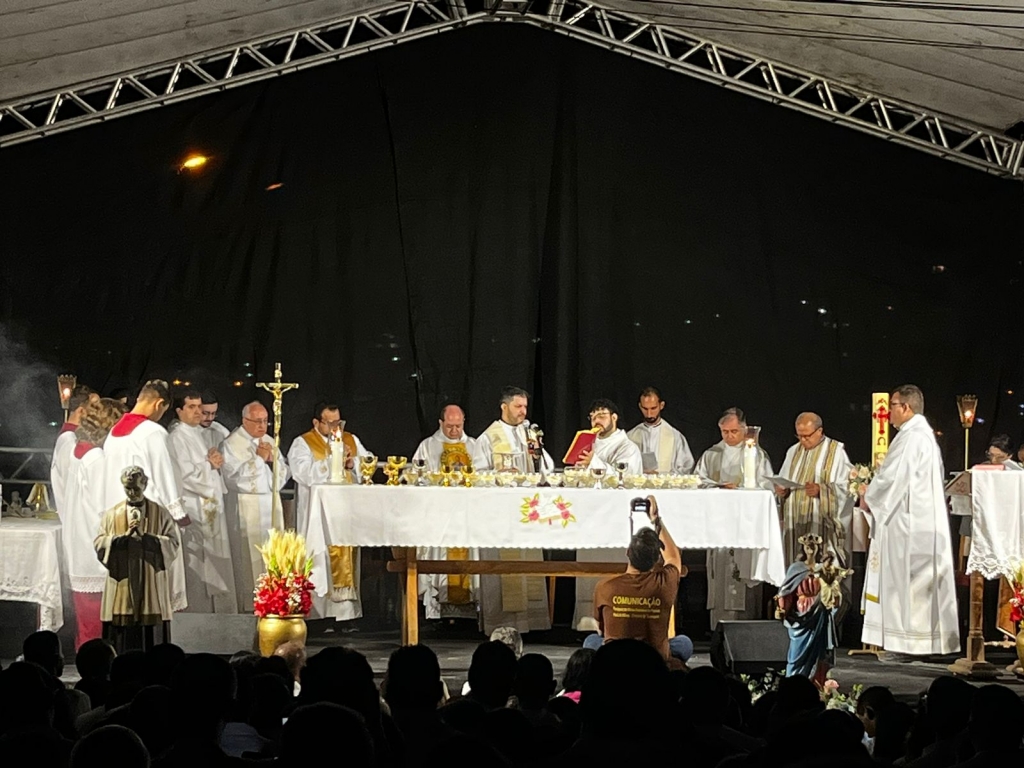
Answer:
(749, 647)
(219, 633)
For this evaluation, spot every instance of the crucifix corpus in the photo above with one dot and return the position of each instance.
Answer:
(277, 388)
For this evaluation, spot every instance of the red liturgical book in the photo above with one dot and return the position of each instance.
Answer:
(584, 441)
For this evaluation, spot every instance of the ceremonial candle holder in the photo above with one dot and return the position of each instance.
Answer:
(967, 405)
(394, 468)
(368, 468)
(750, 457)
(66, 384)
(338, 471)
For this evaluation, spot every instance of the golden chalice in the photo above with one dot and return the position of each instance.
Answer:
(394, 468)
(447, 471)
(368, 468)
(468, 476)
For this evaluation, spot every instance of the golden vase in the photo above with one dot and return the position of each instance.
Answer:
(1020, 650)
(274, 631)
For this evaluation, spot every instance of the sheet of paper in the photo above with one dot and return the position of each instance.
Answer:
(786, 483)
(650, 461)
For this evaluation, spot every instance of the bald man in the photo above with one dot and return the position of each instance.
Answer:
(820, 504)
(248, 472)
(450, 596)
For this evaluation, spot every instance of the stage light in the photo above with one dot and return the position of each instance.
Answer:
(275, 185)
(194, 162)
(238, 383)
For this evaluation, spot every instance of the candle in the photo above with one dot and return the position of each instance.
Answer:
(750, 464)
(338, 473)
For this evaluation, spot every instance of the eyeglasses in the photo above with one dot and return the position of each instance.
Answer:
(809, 435)
(254, 421)
(894, 403)
(332, 424)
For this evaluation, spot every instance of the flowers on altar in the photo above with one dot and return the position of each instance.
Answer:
(284, 589)
(1017, 600)
(860, 476)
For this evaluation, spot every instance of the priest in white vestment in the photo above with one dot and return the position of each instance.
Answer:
(822, 504)
(214, 433)
(612, 448)
(81, 514)
(910, 594)
(309, 460)
(254, 504)
(520, 602)
(137, 440)
(80, 398)
(209, 577)
(663, 447)
(455, 595)
(732, 594)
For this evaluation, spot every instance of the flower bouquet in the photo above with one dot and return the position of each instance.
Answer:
(284, 589)
(766, 683)
(833, 698)
(860, 476)
(1017, 599)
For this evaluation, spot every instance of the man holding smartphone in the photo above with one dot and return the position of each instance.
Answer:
(638, 604)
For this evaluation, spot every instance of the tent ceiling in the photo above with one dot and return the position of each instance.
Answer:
(962, 59)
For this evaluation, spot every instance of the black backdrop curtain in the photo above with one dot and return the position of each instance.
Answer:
(500, 206)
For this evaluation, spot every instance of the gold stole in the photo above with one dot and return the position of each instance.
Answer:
(458, 583)
(513, 588)
(805, 473)
(342, 558)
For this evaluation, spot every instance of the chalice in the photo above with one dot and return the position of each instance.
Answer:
(368, 468)
(598, 475)
(620, 470)
(420, 470)
(468, 473)
(394, 468)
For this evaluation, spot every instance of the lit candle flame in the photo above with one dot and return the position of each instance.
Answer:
(968, 414)
(66, 392)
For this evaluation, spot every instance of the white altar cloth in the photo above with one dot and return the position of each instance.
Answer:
(538, 518)
(997, 534)
(30, 566)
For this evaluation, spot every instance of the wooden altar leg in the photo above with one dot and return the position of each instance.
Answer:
(410, 614)
(975, 665)
(551, 600)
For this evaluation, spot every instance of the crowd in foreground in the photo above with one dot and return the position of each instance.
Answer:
(618, 705)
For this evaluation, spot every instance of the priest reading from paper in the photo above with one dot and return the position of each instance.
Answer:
(453, 596)
(663, 447)
(611, 450)
(520, 602)
(138, 440)
(820, 503)
(731, 592)
(310, 459)
(249, 475)
(209, 578)
(910, 596)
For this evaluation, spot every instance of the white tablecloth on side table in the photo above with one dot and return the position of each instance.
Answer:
(538, 518)
(30, 566)
(997, 531)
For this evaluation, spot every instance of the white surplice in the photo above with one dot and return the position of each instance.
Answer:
(205, 544)
(910, 595)
(666, 443)
(80, 518)
(732, 594)
(215, 434)
(250, 504)
(520, 602)
(434, 587)
(139, 442)
(62, 450)
(608, 452)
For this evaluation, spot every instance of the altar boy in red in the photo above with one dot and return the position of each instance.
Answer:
(138, 440)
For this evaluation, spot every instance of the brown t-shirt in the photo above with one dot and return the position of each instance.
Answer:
(638, 606)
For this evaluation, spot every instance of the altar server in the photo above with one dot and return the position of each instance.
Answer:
(731, 593)
(520, 602)
(81, 396)
(611, 448)
(309, 459)
(249, 475)
(663, 446)
(910, 596)
(137, 440)
(209, 579)
(454, 595)
(81, 514)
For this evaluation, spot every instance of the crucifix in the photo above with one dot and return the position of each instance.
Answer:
(277, 388)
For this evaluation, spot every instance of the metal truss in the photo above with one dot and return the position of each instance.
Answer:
(659, 44)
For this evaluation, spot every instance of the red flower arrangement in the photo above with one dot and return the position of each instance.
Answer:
(285, 589)
(1017, 601)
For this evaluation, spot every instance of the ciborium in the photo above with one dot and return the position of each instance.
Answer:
(368, 468)
(393, 469)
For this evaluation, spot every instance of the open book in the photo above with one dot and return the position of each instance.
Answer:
(584, 441)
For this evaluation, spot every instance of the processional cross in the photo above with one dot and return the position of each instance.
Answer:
(277, 388)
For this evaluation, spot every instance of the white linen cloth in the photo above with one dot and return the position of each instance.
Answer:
(30, 567)
(997, 538)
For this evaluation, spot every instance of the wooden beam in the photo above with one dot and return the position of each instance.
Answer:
(516, 567)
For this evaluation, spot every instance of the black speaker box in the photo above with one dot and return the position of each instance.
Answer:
(749, 647)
